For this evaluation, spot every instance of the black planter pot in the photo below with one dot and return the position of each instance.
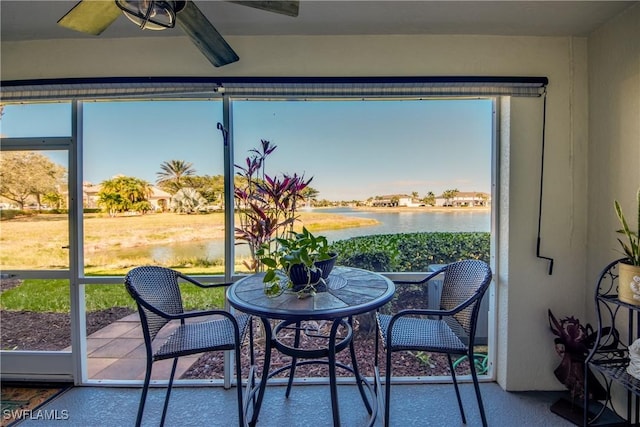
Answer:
(301, 276)
(327, 265)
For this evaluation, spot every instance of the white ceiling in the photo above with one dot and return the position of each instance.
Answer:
(33, 20)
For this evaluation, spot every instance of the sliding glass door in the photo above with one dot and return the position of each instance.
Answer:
(153, 194)
(36, 299)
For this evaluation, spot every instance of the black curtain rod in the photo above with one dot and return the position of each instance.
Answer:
(541, 81)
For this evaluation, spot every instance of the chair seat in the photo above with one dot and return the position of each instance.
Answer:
(158, 297)
(192, 338)
(411, 333)
(450, 329)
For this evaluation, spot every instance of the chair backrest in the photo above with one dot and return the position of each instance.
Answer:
(157, 287)
(465, 281)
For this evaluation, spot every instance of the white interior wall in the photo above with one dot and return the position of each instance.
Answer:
(614, 134)
(526, 357)
(614, 142)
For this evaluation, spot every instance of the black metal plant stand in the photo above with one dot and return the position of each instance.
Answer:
(609, 356)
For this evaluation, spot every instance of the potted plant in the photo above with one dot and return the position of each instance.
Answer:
(629, 269)
(301, 263)
(266, 204)
(267, 212)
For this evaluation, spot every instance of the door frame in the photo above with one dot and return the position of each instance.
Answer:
(64, 365)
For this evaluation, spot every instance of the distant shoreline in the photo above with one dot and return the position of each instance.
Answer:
(425, 209)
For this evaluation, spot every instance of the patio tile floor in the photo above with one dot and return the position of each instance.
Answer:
(117, 352)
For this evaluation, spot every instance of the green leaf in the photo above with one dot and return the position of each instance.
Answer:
(269, 262)
(269, 276)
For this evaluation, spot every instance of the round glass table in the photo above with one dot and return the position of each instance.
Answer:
(350, 291)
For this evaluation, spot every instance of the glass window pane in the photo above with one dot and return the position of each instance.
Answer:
(115, 345)
(398, 186)
(377, 167)
(36, 120)
(110, 319)
(153, 185)
(35, 226)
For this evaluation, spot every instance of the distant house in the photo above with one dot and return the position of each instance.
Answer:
(159, 199)
(90, 195)
(465, 199)
(394, 200)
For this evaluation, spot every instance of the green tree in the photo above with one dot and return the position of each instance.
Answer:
(142, 206)
(27, 175)
(47, 177)
(124, 193)
(429, 199)
(53, 199)
(111, 202)
(310, 195)
(448, 195)
(209, 187)
(173, 175)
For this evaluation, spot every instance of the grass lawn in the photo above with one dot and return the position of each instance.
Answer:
(53, 296)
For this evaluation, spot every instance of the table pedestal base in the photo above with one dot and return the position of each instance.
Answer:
(323, 355)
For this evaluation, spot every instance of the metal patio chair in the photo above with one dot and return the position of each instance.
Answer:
(157, 295)
(450, 330)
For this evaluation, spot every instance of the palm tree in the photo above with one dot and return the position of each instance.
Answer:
(53, 199)
(172, 174)
(448, 195)
(310, 194)
(430, 199)
(111, 202)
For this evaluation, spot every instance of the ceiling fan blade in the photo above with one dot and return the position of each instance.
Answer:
(289, 8)
(205, 36)
(90, 16)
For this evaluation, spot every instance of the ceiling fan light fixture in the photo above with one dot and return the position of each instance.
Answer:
(149, 14)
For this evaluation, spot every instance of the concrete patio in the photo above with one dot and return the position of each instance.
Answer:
(308, 405)
(116, 352)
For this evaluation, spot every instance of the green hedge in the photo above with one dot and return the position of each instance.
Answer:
(411, 251)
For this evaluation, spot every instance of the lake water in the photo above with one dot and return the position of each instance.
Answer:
(389, 223)
(411, 222)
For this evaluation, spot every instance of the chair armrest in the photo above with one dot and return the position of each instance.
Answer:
(202, 285)
(202, 313)
(422, 312)
(441, 313)
(185, 315)
(421, 281)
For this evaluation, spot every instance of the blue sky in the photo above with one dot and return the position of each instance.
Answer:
(353, 149)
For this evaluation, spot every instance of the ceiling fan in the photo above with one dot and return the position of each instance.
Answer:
(93, 17)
